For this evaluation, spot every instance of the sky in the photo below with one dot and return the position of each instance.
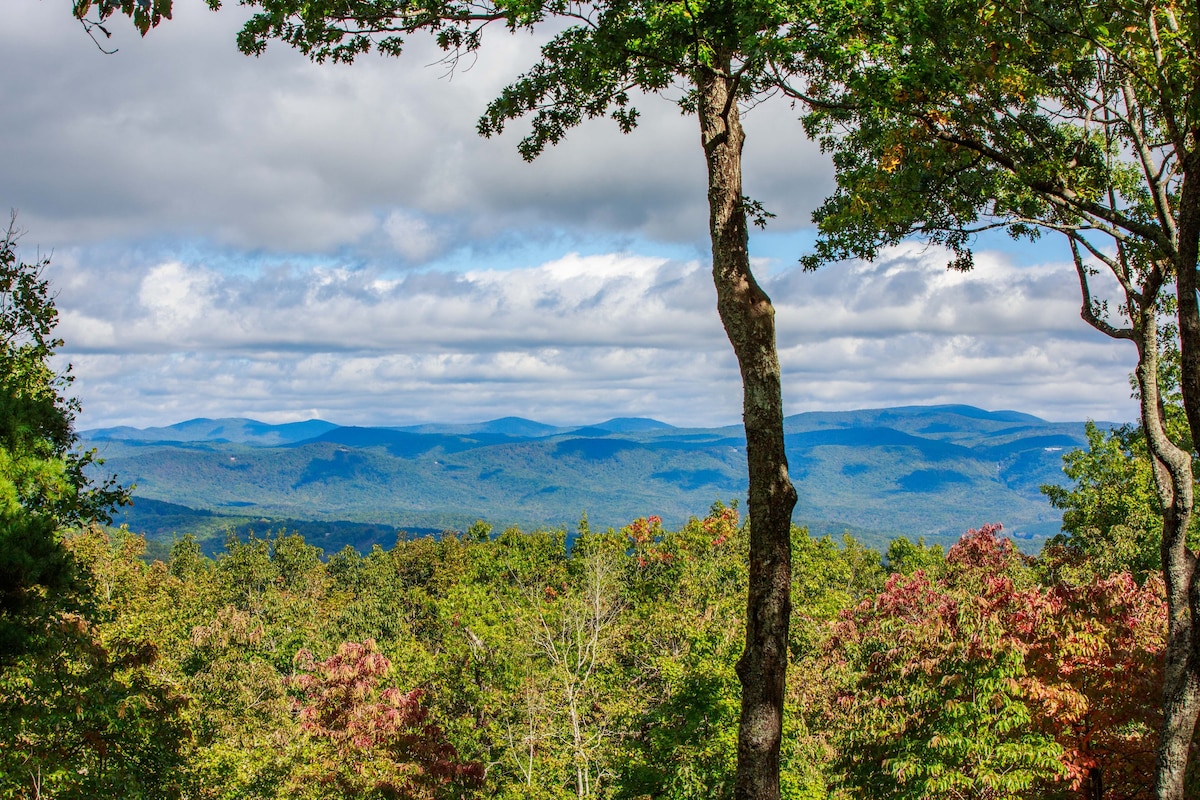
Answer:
(271, 238)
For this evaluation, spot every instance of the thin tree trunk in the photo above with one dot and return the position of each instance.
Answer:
(749, 320)
(1173, 480)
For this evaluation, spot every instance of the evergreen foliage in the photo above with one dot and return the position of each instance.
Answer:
(43, 486)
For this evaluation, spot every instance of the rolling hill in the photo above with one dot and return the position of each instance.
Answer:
(916, 471)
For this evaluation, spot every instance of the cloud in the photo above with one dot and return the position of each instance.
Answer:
(273, 238)
(174, 296)
(573, 340)
(178, 134)
(904, 329)
(574, 301)
(909, 288)
(412, 237)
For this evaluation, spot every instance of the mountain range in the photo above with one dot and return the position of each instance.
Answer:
(930, 471)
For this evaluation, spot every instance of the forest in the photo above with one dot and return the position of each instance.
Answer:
(505, 665)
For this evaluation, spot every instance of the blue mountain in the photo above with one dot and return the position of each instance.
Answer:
(930, 471)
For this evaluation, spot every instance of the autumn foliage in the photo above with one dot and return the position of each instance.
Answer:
(517, 666)
(372, 741)
(981, 683)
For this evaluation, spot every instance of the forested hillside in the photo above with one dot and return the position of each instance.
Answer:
(927, 471)
(502, 664)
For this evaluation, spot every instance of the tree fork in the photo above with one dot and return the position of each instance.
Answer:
(749, 320)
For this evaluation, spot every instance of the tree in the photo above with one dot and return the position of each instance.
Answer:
(906, 558)
(89, 716)
(1093, 655)
(573, 631)
(935, 707)
(722, 50)
(1111, 519)
(245, 732)
(91, 712)
(371, 742)
(976, 681)
(82, 708)
(688, 593)
(947, 119)
(43, 485)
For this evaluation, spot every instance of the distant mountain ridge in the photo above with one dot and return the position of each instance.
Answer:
(250, 431)
(240, 430)
(928, 471)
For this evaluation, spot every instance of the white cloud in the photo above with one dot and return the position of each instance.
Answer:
(573, 301)
(179, 134)
(175, 296)
(239, 236)
(412, 237)
(576, 339)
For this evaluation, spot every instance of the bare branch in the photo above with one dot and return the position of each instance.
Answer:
(1088, 310)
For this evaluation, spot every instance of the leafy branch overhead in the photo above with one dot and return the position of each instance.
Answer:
(589, 69)
(145, 14)
(946, 121)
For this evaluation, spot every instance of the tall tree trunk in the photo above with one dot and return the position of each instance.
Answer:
(1173, 478)
(1181, 685)
(749, 320)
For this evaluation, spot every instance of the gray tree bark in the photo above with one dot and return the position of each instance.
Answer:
(749, 320)
(1181, 685)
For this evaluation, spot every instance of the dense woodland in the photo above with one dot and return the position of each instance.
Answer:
(507, 665)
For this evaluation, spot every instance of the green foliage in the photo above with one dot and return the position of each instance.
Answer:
(974, 680)
(906, 558)
(186, 561)
(589, 69)
(606, 670)
(944, 119)
(690, 593)
(1112, 520)
(298, 563)
(41, 473)
(145, 14)
(936, 708)
(826, 579)
(594, 667)
(93, 710)
(244, 724)
(89, 716)
(245, 571)
(43, 486)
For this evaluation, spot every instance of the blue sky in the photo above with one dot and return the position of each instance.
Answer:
(281, 240)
